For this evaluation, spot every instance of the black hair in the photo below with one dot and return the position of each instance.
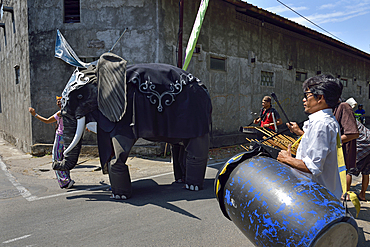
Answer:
(326, 85)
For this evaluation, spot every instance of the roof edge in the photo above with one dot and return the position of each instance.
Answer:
(293, 26)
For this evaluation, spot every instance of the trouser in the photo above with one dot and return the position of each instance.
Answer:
(196, 160)
(63, 177)
(119, 174)
(179, 161)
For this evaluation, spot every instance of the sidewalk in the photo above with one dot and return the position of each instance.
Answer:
(88, 172)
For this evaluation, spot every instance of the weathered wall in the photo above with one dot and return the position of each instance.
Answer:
(102, 22)
(238, 92)
(15, 123)
(152, 37)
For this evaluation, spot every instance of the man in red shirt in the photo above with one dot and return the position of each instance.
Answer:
(268, 115)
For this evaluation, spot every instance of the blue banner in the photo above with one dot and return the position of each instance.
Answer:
(65, 52)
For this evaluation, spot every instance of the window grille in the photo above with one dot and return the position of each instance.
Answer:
(17, 74)
(358, 90)
(300, 76)
(267, 78)
(71, 11)
(89, 59)
(217, 63)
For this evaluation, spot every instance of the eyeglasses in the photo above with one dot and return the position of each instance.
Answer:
(307, 96)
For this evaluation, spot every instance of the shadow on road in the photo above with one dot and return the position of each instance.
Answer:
(148, 191)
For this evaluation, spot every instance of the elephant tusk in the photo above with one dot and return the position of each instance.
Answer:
(79, 131)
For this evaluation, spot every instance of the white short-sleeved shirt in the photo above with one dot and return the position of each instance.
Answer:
(318, 150)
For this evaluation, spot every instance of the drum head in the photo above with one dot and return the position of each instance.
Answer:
(341, 234)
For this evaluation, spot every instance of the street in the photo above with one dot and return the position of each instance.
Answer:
(35, 212)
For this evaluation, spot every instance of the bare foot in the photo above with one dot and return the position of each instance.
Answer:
(342, 198)
(361, 198)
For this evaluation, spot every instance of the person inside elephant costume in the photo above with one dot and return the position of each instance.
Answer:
(157, 102)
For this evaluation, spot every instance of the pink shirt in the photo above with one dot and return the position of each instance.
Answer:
(60, 123)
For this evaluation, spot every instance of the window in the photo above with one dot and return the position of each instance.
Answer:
(89, 59)
(300, 76)
(267, 78)
(71, 11)
(17, 74)
(197, 49)
(358, 90)
(218, 63)
(344, 82)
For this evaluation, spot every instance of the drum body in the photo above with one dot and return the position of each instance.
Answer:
(276, 205)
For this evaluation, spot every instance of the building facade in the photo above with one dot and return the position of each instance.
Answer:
(242, 54)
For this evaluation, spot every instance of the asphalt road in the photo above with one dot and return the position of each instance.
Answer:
(35, 212)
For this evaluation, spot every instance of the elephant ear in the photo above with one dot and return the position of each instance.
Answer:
(111, 75)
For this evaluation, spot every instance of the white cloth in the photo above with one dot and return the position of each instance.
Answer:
(318, 150)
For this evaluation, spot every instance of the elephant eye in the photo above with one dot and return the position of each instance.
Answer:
(80, 96)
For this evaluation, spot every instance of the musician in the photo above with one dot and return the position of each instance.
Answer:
(317, 152)
(268, 115)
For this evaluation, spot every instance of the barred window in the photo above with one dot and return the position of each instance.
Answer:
(71, 11)
(267, 78)
(358, 90)
(17, 74)
(89, 59)
(300, 76)
(218, 63)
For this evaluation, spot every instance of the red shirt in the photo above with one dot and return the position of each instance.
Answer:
(268, 118)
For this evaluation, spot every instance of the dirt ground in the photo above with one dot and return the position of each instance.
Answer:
(225, 152)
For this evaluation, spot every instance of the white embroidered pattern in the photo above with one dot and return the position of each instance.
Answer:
(76, 81)
(167, 97)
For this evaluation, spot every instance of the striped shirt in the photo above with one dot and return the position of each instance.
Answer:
(363, 142)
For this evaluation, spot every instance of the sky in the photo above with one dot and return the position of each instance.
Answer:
(346, 20)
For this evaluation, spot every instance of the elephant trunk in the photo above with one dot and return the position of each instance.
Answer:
(72, 143)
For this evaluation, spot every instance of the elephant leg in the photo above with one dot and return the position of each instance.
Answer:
(119, 174)
(196, 162)
(178, 160)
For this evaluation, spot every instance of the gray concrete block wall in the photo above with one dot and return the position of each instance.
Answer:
(101, 25)
(15, 98)
(237, 92)
(152, 37)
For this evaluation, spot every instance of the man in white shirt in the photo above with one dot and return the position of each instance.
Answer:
(317, 153)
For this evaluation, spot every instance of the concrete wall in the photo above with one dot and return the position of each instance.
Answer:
(152, 37)
(238, 91)
(102, 23)
(15, 122)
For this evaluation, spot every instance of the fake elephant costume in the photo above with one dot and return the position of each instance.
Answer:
(157, 102)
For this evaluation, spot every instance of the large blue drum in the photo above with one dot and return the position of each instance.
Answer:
(276, 205)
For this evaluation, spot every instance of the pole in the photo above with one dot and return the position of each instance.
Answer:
(281, 108)
(118, 39)
(273, 118)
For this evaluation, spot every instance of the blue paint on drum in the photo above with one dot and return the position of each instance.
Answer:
(274, 206)
(227, 197)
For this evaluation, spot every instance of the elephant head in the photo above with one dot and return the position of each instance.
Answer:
(100, 87)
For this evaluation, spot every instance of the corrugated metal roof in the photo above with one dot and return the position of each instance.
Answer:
(285, 23)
